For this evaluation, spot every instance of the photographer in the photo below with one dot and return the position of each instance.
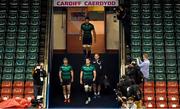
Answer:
(38, 75)
(144, 66)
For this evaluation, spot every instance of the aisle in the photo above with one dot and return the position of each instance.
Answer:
(106, 101)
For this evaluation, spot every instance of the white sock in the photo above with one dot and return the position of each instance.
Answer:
(89, 98)
(95, 93)
(65, 97)
(68, 96)
(98, 93)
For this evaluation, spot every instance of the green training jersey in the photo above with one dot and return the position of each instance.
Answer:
(87, 28)
(88, 71)
(66, 72)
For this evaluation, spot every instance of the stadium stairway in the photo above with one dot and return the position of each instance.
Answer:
(78, 100)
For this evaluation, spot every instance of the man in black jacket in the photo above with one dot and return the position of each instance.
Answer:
(38, 75)
(99, 75)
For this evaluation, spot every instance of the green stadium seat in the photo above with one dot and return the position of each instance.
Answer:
(19, 77)
(168, 8)
(157, 15)
(177, 28)
(12, 22)
(159, 55)
(151, 77)
(1, 49)
(34, 29)
(147, 42)
(35, 36)
(171, 56)
(9, 56)
(159, 70)
(134, 1)
(1, 63)
(12, 15)
(134, 42)
(21, 49)
(151, 62)
(169, 22)
(12, 29)
(178, 62)
(21, 43)
(23, 29)
(170, 49)
(29, 77)
(178, 42)
(31, 63)
(7, 77)
(10, 49)
(178, 49)
(21, 56)
(2, 36)
(23, 15)
(135, 15)
(1, 56)
(158, 42)
(159, 63)
(146, 7)
(169, 35)
(10, 43)
(11, 36)
(34, 43)
(34, 49)
(8, 70)
(156, 7)
(29, 70)
(35, 15)
(20, 70)
(2, 28)
(32, 56)
(168, 28)
(35, 9)
(158, 28)
(135, 55)
(146, 35)
(172, 70)
(160, 77)
(169, 42)
(150, 55)
(168, 15)
(146, 29)
(158, 35)
(9, 63)
(151, 70)
(37, 22)
(22, 36)
(177, 22)
(3, 15)
(20, 62)
(2, 42)
(157, 21)
(171, 63)
(134, 8)
(134, 22)
(146, 15)
(23, 21)
(172, 77)
(147, 49)
(2, 22)
(178, 56)
(146, 21)
(35, 3)
(177, 15)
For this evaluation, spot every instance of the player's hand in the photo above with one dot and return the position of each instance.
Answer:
(80, 38)
(72, 80)
(61, 80)
(81, 82)
(94, 40)
(94, 79)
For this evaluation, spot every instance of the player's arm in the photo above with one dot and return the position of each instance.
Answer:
(72, 75)
(94, 75)
(94, 34)
(80, 33)
(81, 76)
(60, 75)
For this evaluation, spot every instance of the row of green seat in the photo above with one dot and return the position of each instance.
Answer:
(154, 1)
(16, 77)
(158, 49)
(22, 15)
(21, 21)
(28, 56)
(19, 69)
(138, 35)
(18, 62)
(19, 49)
(19, 36)
(21, 42)
(155, 22)
(164, 77)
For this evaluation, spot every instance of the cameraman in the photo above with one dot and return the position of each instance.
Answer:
(144, 66)
(38, 76)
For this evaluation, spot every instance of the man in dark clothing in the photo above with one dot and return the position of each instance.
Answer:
(99, 75)
(38, 75)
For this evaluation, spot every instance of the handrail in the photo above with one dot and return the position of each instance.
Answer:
(46, 55)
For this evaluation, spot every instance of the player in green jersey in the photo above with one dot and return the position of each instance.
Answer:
(86, 37)
(87, 77)
(66, 77)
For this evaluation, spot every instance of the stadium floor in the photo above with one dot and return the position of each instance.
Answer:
(107, 99)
